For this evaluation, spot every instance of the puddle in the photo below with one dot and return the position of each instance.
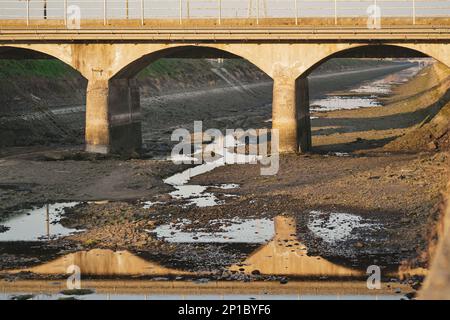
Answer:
(339, 154)
(366, 95)
(150, 204)
(103, 262)
(335, 227)
(198, 195)
(231, 231)
(38, 224)
(333, 103)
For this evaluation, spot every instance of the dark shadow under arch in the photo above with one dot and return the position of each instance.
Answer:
(371, 51)
(44, 105)
(188, 51)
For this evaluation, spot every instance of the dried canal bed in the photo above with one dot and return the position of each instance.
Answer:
(332, 217)
(368, 94)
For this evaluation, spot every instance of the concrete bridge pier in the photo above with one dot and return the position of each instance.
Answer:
(291, 100)
(113, 120)
(304, 120)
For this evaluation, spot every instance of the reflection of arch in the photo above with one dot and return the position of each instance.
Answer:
(285, 255)
(101, 262)
(138, 61)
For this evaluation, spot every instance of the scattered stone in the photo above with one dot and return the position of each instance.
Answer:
(77, 292)
(202, 280)
(411, 295)
(23, 297)
(432, 145)
(67, 299)
(160, 279)
(359, 245)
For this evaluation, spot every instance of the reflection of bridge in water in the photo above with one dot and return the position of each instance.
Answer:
(283, 255)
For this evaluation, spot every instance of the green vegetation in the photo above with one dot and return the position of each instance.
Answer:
(37, 68)
(173, 66)
(77, 292)
(48, 68)
(342, 64)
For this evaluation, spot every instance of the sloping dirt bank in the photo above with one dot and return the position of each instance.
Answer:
(426, 102)
(413, 119)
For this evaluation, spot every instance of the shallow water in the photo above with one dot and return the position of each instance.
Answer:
(336, 226)
(232, 231)
(38, 224)
(365, 95)
(199, 195)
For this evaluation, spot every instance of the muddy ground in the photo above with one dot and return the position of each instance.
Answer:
(381, 183)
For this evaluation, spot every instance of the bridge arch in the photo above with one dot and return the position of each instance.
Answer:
(144, 55)
(39, 87)
(382, 51)
(438, 52)
(114, 120)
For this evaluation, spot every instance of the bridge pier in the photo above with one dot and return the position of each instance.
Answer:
(291, 99)
(284, 113)
(304, 121)
(113, 121)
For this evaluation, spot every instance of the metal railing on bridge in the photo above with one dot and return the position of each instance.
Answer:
(181, 10)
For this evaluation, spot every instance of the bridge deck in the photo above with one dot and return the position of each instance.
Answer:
(226, 22)
(281, 29)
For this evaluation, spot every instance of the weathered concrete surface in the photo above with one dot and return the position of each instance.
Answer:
(284, 113)
(113, 122)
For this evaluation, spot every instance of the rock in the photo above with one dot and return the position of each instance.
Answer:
(416, 285)
(256, 272)
(411, 295)
(23, 297)
(77, 292)
(359, 245)
(284, 281)
(54, 156)
(432, 145)
(3, 229)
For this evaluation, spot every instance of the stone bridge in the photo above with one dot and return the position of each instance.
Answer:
(109, 58)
